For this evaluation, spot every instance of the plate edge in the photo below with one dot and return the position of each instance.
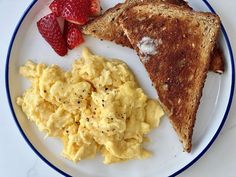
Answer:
(64, 173)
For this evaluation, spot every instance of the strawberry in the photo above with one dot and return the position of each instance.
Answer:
(72, 35)
(50, 30)
(95, 8)
(68, 26)
(56, 7)
(76, 11)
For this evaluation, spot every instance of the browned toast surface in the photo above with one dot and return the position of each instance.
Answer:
(217, 60)
(174, 46)
(106, 27)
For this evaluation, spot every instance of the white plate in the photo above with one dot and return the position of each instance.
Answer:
(168, 158)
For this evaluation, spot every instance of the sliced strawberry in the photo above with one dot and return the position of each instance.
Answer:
(95, 8)
(76, 11)
(57, 6)
(68, 26)
(50, 30)
(72, 35)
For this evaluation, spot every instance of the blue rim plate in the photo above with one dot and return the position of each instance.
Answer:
(64, 173)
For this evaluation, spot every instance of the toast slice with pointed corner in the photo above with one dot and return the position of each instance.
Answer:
(174, 45)
(106, 27)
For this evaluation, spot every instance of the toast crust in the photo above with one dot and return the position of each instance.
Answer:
(217, 64)
(178, 67)
(106, 27)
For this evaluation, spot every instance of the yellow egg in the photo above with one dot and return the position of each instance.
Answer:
(95, 107)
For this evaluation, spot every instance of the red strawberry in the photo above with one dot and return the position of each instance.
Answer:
(95, 8)
(57, 6)
(76, 11)
(68, 26)
(50, 30)
(72, 35)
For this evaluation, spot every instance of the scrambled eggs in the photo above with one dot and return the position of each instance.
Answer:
(96, 107)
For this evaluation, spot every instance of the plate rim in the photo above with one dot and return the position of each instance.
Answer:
(66, 174)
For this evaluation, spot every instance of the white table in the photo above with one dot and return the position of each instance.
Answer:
(18, 160)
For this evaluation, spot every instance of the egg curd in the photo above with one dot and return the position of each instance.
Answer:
(95, 107)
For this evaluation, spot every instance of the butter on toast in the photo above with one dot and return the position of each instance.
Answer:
(106, 27)
(175, 46)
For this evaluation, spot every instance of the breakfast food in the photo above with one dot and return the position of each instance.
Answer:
(217, 62)
(95, 8)
(73, 35)
(174, 44)
(75, 13)
(95, 107)
(57, 6)
(51, 32)
(106, 27)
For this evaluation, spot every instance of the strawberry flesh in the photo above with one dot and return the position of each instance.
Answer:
(76, 11)
(95, 8)
(50, 30)
(72, 35)
(57, 6)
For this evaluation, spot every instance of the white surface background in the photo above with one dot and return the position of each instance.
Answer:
(18, 160)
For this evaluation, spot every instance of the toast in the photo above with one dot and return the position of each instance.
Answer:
(174, 45)
(217, 61)
(106, 27)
